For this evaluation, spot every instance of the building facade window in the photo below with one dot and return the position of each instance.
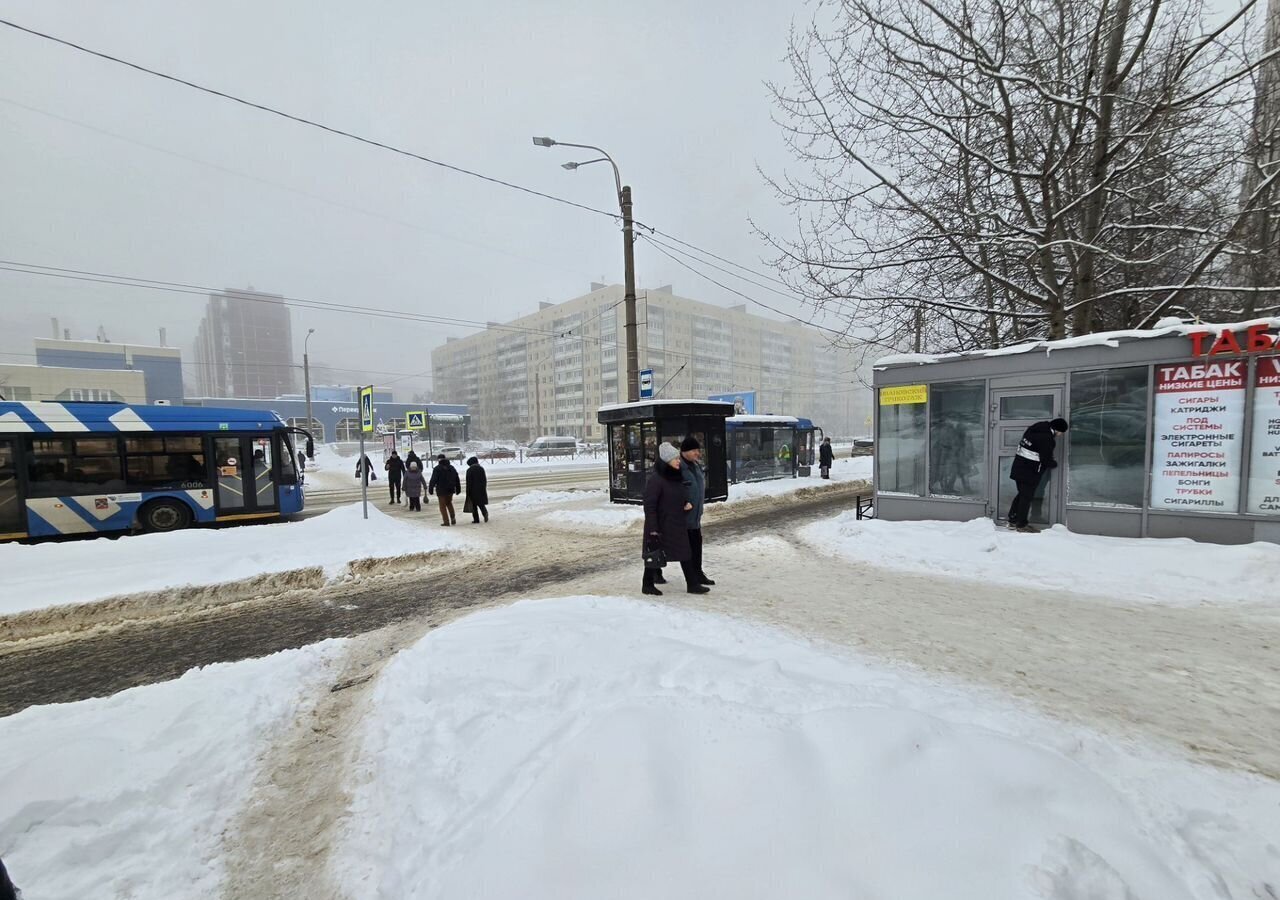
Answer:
(1107, 443)
(957, 439)
(900, 456)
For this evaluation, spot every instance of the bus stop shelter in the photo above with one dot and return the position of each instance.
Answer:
(767, 447)
(634, 430)
(1175, 432)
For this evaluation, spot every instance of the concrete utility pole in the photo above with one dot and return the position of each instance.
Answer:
(628, 257)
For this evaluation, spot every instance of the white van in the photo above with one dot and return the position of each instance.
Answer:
(549, 445)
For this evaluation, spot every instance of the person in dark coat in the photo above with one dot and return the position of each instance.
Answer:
(826, 457)
(477, 491)
(364, 464)
(414, 482)
(444, 484)
(695, 485)
(8, 890)
(666, 502)
(394, 467)
(1032, 463)
(412, 457)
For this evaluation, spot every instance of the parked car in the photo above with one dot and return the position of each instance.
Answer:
(550, 445)
(495, 453)
(454, 453)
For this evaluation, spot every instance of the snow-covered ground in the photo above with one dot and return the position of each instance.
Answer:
(591, 511)
(128, 796)
(1174, 571)
(597, 747)
(536, 500)
(55, 574)
(334, 469)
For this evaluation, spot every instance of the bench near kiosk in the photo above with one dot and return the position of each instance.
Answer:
(1175, 432)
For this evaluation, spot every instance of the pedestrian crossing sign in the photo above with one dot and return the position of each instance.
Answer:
(366, 409)
(416, 421)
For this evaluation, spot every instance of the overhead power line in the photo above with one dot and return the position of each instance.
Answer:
(382, 145)
(302, 120)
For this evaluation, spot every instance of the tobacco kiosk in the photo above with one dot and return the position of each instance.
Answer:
(634, 431)
(1175, 432)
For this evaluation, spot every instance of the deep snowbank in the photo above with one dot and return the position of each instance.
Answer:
(589, 747)
(55, 574)
(1174, 571)
(127, 796)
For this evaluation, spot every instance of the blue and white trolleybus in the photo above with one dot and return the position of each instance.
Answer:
(80, 468)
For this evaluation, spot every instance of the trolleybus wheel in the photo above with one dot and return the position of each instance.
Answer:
(164, 515)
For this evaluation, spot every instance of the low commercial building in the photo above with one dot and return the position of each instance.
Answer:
(1175, 432)
(64, 384)
(161, 367)
(339, 420)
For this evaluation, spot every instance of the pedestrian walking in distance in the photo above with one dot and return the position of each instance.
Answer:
(412, 457)
(394, 467)
(477, 491)
(1030, 465)
(444, 484)
(695, 485)
(364, 466)
(666, 504)
(413, 485)
(826, 457)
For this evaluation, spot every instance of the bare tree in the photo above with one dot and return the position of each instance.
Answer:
(977, 172)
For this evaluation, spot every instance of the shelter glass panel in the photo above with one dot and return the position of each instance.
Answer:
(1107, 443)
(957, 440)
(900, 448)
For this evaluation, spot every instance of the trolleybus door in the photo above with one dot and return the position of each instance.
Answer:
(12, 520)
(245, 475)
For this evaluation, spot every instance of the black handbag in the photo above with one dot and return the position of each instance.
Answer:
(654, 556)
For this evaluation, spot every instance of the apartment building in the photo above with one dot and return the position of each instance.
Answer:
(244, 346)
(548, 372)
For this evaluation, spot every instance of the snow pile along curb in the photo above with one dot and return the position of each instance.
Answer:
(1170, 571)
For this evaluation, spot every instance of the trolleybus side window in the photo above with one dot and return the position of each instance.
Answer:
(168, 461)
(288, 460)
(63, 466)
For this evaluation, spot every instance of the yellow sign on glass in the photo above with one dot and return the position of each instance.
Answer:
(904, 393)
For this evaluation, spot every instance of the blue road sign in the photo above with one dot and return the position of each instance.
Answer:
(646, 384)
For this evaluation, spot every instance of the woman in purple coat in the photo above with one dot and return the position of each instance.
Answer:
(665, 503)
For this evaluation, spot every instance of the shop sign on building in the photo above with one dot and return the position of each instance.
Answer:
(1254, 339)
(1199, 417)
(1264, 456)
(904, 394)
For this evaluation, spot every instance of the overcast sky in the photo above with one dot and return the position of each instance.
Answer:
(109, 170)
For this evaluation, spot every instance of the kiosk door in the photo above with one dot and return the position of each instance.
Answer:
(1012, 412)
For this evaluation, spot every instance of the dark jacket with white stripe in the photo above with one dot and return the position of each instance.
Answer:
(1035, 453)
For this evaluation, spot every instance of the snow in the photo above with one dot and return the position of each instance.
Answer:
(55, 574)
(639, 404)
(1163, 328)
(531, 500)
(599, 747)
(609, 518)
(1173, 571)
(762, 420)
(128, 796)
(858, 468)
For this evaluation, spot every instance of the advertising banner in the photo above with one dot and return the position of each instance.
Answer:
(1199, 416)
(904, 394)
(1264, 454)
(744, 402)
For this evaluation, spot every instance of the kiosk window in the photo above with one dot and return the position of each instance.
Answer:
(957, 440)
(1107, 443)
(900, 448)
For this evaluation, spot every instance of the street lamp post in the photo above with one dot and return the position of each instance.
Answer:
(306, 376)
(628, 258)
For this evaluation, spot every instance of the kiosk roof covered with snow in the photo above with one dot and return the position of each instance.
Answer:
(1175, 431)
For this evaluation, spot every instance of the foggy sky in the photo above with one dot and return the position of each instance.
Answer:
(110, 170)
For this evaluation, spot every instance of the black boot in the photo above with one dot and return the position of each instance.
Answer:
(648, 587)
(698, 589)
(703, 579)
(658, 578)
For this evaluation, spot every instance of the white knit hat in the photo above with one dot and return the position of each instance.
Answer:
(667, 452)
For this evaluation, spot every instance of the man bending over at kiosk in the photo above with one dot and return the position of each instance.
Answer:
(1030, 465)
